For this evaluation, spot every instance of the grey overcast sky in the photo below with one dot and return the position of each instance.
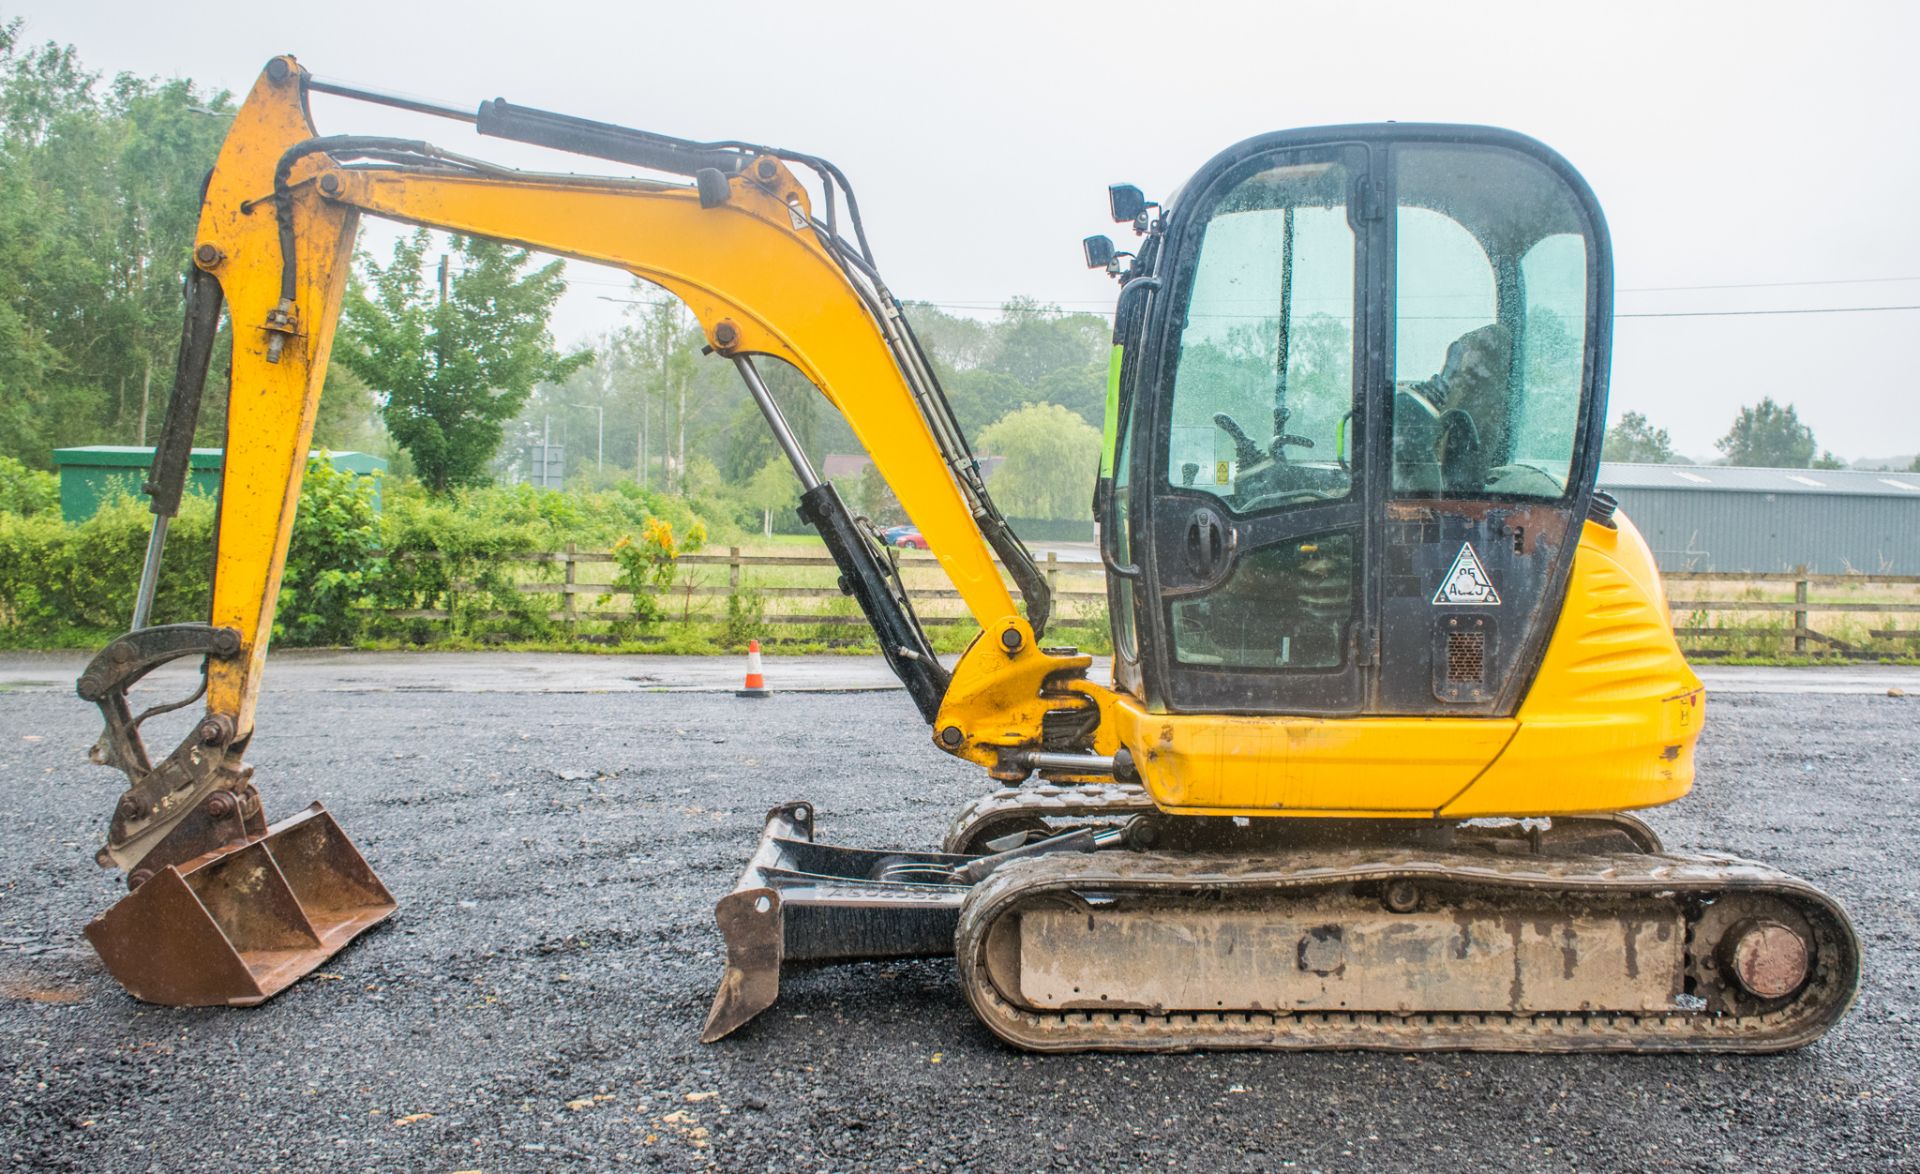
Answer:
(1766, 150)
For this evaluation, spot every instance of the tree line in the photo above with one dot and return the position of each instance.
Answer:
(99, 201)
(1027, 385)
(99, 198)
(1766, 435)
(445, 360)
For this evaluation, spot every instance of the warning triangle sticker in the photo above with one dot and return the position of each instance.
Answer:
(1467, 581)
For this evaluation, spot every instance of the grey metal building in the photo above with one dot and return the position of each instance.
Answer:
(1721, 518)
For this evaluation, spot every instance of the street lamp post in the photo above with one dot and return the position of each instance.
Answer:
(600, 440)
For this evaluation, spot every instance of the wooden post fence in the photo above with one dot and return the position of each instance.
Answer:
(1800, 615)
(801, 586)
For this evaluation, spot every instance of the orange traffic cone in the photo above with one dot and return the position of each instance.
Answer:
(756, 685)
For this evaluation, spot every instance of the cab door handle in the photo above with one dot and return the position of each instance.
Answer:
(1207, 543)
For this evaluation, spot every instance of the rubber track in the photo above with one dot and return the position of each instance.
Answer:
(1800, 1020)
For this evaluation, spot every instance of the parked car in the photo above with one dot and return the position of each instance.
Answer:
(893, 534)
(911, 539)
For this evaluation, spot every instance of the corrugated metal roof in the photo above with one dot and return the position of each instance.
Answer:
(1734, 479)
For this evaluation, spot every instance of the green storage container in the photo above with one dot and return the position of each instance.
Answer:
(93, 475)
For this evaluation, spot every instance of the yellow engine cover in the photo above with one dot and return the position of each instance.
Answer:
(1609, 724)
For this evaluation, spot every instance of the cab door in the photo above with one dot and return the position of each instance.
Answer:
(1257, 521)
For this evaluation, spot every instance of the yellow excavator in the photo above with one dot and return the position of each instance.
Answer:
(1387, 672)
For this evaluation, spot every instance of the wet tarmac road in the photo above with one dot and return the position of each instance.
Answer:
(557, 840)
(326, 671)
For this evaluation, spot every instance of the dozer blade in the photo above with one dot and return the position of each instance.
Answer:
(239, 925)
(799, 901)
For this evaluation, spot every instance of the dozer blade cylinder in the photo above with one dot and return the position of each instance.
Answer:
(239, 925)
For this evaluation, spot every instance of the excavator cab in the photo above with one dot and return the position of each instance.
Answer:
(1357, 425)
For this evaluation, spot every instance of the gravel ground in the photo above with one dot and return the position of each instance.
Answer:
(535, 1002)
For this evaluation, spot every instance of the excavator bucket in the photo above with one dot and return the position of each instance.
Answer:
(237, 926)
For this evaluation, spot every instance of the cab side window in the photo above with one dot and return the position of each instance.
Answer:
(1490, 308)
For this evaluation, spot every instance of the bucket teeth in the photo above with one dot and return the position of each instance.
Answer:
(237, 926)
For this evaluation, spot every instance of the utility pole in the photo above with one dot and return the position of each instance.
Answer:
(538, 470)
(661, 333)
(439, 354)
(640, 465)
(146, 398)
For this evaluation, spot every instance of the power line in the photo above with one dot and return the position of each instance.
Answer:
(1622, 289)
(1744, 313)
(1062, 302)
(1766, 284)
(1433, 318)
(1060, 308)
(639, 301)
(1430, 318)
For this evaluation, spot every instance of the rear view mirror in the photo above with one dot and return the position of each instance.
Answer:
(1098, 250)
(1127, 202)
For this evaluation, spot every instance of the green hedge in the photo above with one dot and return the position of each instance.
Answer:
(27, 491)
(348, 568)
(63, 583)
(73, 584)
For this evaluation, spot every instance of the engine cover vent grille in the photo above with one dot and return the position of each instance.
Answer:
(1466, 658)
(1463, 654)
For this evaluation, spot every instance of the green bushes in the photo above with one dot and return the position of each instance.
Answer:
(331, 559)
(647, 568)
(447, 554)
(347, 568)
(27, 491)
(439, 570)
(66, 583)
(746, 618)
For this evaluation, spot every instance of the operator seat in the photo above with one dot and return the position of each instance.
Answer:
(1474, 407)
(1450, 432)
